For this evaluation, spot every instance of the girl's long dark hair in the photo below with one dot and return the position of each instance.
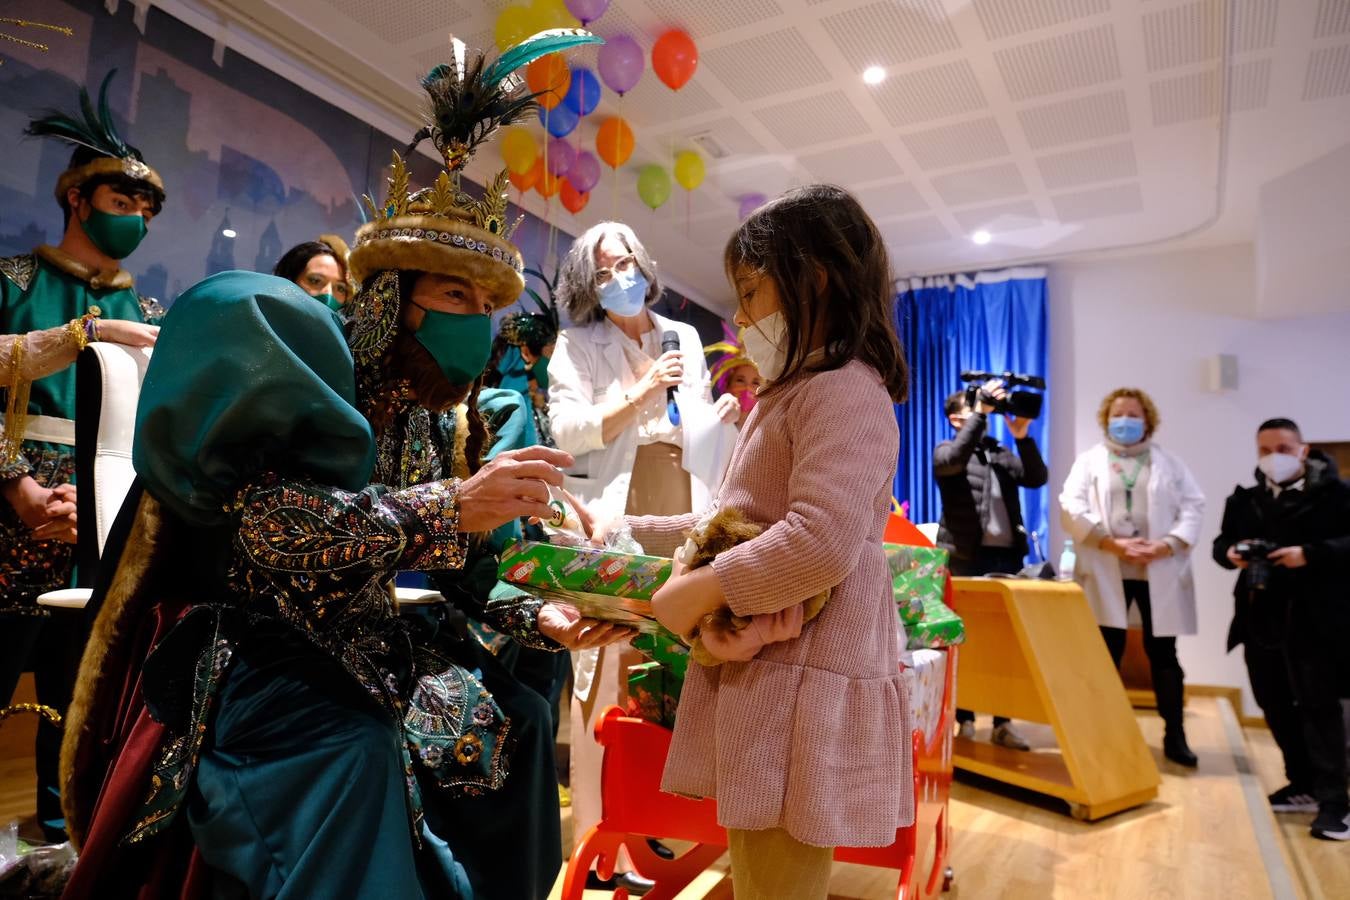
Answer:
(829, 263)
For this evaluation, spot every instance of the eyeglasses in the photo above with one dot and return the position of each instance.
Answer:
(623, 264)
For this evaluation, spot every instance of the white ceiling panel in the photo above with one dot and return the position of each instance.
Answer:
(1106, 162)
(854, 164)
(708, 17)
(891, 33)
(1065, 62)
(883, 200)
(813, 120)
(1328, 73)
(957, 145)
(980, 185)
(999, 217)
(901, 233)
(938, 92)
(1117, 200)
(1333, 18)
(1071, 121)
(1006, 18)
(753, 68)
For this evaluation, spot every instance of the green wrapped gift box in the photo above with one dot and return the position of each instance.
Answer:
(653, 693)
(602, 584)
(917, 574)
(940, 627)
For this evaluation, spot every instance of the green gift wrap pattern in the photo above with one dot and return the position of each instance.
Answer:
(602, 584)
(917, 573)
(940, 627)
(653, 693)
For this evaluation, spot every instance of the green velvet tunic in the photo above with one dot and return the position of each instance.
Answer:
(36, 295)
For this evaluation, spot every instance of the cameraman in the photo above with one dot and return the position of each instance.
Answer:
(981, 523)
(1292, 617)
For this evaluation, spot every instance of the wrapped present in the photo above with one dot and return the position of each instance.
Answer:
(653, 693)
(666, 649)
(917, 573)
(601, 584)
(939, 627)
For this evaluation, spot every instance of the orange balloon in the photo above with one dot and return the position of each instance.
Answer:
(674, 58)
(523, 181)
(573, 199)
(549, 77)
(548, 185)
(614, 141)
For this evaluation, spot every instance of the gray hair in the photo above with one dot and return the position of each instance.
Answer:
(577, 290)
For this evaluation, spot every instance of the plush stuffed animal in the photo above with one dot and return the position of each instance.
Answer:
(724, 530)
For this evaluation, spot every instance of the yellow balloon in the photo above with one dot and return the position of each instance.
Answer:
(519, 149)
(689, 169)
(553, 14)
(514, 25)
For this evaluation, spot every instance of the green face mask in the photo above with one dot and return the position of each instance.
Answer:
(540, 372)
(117, 236)
(460, 344)
(329, 301)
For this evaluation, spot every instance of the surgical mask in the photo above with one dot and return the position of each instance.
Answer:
(117, 236)
(747, 400)
(1125, 430)
(460, 343)
(1280, 467)
(329, 301)
(625, 293)
(766, 343)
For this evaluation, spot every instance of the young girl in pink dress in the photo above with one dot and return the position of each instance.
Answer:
(803, 734)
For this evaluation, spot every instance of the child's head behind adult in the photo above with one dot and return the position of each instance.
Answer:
(816, 257)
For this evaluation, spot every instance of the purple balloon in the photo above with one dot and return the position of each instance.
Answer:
(560, 157)
(621, 63)
(584, 94)
(585, 171)
(750, 203)
(587, 11)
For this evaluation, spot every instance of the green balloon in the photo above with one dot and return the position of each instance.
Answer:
(654, 185)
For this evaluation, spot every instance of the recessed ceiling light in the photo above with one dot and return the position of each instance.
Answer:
(874, 75)
(981, 237)
(229, 232)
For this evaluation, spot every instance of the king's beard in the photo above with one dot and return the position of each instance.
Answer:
(410, 361)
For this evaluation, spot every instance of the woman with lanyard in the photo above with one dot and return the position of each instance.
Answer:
(1133, 511)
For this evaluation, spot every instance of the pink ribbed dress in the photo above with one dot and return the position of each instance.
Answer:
(812, 735)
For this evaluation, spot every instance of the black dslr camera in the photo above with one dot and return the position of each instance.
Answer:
(1255, 553)
(1021, 404)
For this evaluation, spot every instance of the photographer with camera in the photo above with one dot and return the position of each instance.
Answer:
(978, 479)
(1290, 536)
(1134, 512)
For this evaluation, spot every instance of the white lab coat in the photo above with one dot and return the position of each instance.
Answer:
(588, 370)
(1175, 507)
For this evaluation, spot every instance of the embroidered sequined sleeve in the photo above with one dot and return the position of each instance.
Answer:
(16, 469)
(516, 613)
(300, 527)
(476, 592)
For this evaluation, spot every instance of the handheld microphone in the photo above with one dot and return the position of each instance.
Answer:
(671, 341)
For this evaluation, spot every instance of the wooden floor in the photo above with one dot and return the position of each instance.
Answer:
(1197, 841)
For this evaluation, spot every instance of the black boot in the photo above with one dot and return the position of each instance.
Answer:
(1177, 750)
(1170, 691)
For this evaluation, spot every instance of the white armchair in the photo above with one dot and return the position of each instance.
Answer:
(107, 386)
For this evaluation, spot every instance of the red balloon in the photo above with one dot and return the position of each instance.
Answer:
(674, 59)
(573, 199)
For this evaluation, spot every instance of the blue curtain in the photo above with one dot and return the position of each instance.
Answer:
(994, 321)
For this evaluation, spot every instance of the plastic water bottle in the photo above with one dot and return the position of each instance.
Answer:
(1067, 560)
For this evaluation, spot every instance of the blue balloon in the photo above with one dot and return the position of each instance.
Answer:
(584, 95)
(560, 120)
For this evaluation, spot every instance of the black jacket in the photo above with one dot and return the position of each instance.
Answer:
(1299, 603)
(962, 466)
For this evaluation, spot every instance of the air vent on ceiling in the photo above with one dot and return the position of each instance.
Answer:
(710, 145)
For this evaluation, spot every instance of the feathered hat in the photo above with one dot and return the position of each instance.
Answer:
(441, 228)
(533, 329)
(97, 135)
(732, 357)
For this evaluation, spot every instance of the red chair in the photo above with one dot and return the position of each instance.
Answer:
(634, 809)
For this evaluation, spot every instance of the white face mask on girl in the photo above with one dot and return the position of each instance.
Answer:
(766, 343)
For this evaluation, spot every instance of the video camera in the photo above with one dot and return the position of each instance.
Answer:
(1021, 404)
(1256, 554)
